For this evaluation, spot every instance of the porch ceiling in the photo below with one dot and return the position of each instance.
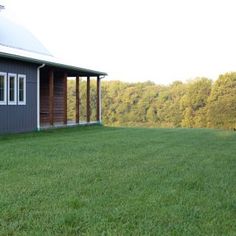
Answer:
(71, 71)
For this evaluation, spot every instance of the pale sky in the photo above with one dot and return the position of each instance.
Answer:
(134, 40)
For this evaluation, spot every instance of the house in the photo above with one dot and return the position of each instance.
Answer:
(33, 84)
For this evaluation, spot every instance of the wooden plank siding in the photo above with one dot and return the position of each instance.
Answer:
(59, 106)
(44, 98)
(53, 98)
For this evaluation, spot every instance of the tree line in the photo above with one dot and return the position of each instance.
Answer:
(197, 103)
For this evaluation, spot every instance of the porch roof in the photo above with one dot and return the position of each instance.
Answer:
(50, 61)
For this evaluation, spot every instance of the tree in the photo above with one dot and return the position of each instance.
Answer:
(194, 103)
(222, 102)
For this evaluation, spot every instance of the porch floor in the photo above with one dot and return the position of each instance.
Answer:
(69, 124)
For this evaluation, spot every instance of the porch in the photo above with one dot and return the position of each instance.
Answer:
(53, 97)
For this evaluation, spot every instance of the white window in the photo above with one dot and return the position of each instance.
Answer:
(3, 88)
(11, 89)
(21, 90)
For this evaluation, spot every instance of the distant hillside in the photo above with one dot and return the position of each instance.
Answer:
(197, 103)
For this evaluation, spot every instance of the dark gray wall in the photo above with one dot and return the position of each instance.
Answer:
(20, 118)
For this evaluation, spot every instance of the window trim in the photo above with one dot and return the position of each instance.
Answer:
(18, 89)
(4, 102)
(15, 93)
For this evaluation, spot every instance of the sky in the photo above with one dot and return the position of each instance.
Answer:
(135, 40)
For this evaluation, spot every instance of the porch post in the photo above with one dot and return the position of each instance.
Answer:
(51, 97)
(77, 100)
(65, 98)
(88, 99)
(98, 98)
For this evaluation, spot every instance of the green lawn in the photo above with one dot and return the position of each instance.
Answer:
(118, 181)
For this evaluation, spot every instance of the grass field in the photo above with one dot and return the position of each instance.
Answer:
(118, 181)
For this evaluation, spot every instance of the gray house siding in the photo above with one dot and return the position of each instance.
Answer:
(20, 118)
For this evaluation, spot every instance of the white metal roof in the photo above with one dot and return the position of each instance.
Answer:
(16, 36)
(18, 43)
